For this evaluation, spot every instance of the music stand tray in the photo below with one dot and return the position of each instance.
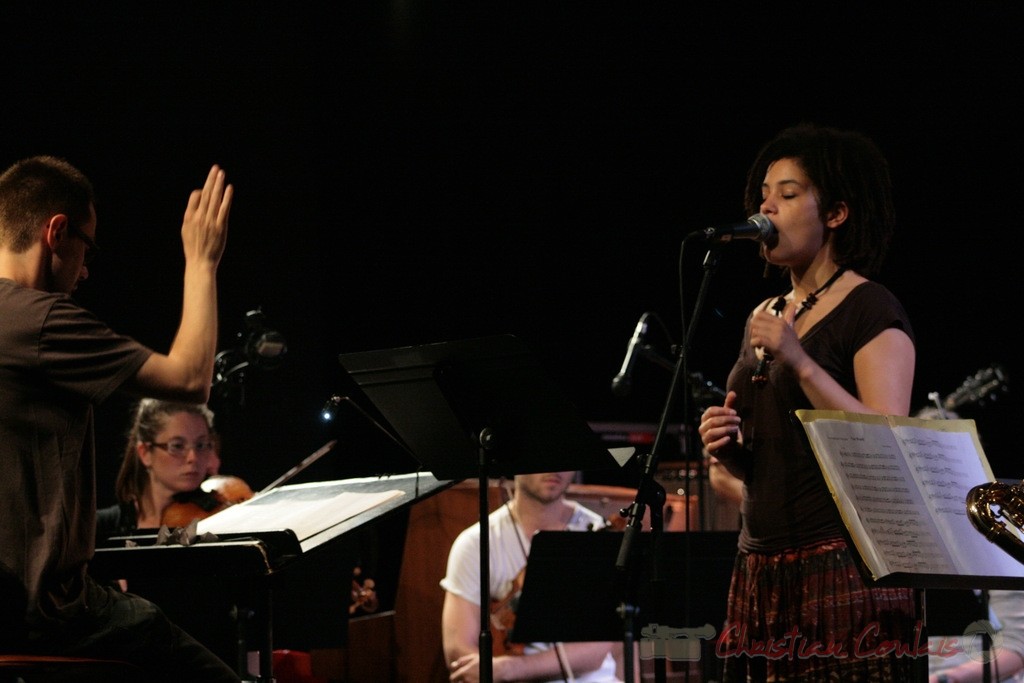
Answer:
(477, 407)
(440, 397)
(572, 588)
(269, 563)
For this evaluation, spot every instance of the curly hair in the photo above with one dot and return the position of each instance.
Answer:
(150, 416)
(844, 166)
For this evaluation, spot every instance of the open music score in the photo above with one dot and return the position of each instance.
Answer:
(306, 509)
(901, 486)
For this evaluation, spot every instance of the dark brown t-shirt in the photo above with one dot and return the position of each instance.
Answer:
(786, 502)
(56, 362)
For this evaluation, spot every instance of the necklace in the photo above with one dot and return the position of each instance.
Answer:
(812, 298)
(563, 660)
(515, 527)
(760, 375)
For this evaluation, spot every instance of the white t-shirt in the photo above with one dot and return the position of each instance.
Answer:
(509, 549)
(1005, 627)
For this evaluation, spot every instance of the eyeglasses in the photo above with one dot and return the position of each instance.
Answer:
(92, 250)
(180, 448)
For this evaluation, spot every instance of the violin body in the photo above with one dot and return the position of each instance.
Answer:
(228, 488)
(212, 496)
(503, 619)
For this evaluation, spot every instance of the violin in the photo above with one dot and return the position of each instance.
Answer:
(503, 619)
(212, 496)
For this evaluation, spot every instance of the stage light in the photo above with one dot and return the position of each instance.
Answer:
(330, 409)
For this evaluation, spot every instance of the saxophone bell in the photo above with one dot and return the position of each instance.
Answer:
(987, 503)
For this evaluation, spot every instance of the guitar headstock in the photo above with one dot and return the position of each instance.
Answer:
(982, 386)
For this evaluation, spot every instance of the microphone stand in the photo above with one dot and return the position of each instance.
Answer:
(649, 492)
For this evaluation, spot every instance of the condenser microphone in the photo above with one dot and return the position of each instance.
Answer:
(758, 228)
(622, 382)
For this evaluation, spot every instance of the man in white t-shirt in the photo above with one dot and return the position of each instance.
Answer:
(958, 658)
(538, 504)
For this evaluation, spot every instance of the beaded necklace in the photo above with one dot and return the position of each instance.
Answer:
(760, 375)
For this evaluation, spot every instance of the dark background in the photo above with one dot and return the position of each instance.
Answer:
(415, 172)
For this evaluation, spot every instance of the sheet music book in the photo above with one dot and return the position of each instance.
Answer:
(901, 486)
(306, 509)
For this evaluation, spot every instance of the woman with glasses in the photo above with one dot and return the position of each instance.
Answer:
(171, 449)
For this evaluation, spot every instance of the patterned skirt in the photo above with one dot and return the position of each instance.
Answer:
(807, 615)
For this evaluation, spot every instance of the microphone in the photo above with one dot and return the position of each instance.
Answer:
(622, 382)
(260, 347)
(758, 228)
(263, 346)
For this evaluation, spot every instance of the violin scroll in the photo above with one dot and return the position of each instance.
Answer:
(364, 597)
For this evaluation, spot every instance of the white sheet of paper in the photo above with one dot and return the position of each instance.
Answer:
(306, 509)
(878, 500)
(901, 485)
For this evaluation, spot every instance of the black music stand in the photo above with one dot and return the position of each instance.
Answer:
(572, 592)
(1002, 577)
(258, 564)
(477, 407)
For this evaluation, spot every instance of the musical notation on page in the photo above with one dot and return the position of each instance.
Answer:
(900, 485)
(306, 509)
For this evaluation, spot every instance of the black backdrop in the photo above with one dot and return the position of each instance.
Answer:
(413, 172)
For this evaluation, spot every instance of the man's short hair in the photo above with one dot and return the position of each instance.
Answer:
(34, 189)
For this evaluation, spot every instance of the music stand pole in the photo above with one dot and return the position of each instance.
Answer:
(486, 440)
(988, 656)
(628, 615)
